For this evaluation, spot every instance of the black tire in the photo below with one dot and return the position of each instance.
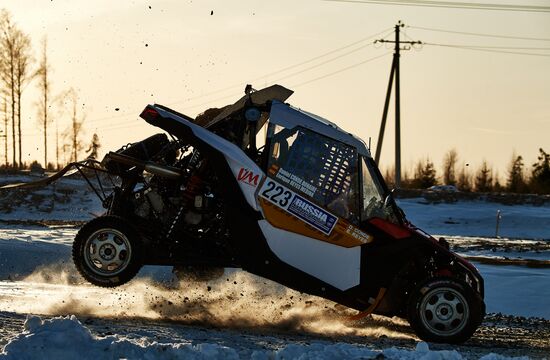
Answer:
(445, 310)
(107, 251)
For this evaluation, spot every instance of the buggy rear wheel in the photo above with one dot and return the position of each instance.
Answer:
(445, 310)
(107, 251)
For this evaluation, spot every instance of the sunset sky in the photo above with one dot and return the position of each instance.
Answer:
(192, 55)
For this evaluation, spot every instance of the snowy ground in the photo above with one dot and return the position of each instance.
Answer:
(243, 316)
(478, 218)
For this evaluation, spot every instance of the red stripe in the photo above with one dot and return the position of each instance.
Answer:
(395, 231)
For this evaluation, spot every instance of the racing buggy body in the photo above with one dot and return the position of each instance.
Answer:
(283, 194)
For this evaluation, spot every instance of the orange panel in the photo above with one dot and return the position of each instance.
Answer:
(344, 234)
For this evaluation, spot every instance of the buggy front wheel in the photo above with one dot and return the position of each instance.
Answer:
(107, 251)
(445, 310)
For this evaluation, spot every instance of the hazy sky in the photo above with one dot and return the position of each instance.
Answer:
(126, 54)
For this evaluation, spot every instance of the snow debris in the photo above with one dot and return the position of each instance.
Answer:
(67, 338)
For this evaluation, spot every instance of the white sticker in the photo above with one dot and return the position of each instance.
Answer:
(298, 206)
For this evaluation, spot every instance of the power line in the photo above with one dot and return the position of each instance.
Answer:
(479, 34)
(496, 47)
(264, 76)
(117, 127)
(453, 5)
(388, 30)
(341, 70)
(298, 73)
(287, 67)
(485, 49)
(324, 62)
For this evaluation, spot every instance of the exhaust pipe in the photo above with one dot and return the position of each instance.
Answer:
(168, 172)
(164, 171)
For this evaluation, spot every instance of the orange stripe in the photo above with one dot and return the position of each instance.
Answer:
(342, 234)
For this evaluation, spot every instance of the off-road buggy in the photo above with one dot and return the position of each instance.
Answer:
(281, 193)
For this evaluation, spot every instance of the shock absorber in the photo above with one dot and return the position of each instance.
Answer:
(192, 188)
(190, 191)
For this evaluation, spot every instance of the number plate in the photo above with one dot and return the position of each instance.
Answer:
(298, 206)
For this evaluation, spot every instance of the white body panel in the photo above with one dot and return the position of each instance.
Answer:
(335, 265)
(249, 178)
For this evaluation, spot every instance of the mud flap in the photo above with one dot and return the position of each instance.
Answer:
(372, 307)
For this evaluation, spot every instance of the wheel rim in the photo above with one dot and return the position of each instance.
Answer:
(107, 252)
(444, 311)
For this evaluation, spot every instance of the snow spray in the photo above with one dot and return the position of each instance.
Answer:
(236, 300)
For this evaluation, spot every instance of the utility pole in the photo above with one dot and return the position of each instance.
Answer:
(394, 75)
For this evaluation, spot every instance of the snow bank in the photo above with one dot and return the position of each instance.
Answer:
(66, 338)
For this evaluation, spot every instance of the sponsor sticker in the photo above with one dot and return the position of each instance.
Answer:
(248, 177)
(358, 234)
(312, 214)
(295, 204)
(296, 182)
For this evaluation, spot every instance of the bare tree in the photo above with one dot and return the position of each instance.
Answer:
(45, 88)
(7, 68)
(449, 167)
(75, 130)
(464, 182)
(23, 59)
(389, 176)
(5, 136)
(57, 145)
(15, 58)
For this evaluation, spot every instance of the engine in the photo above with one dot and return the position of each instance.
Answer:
(169, 185)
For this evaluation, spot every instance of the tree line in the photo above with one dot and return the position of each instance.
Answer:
(19, 68)
(520, 178)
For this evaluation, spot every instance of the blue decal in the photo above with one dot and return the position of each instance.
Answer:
(312, 214)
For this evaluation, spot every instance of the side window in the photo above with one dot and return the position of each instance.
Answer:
(320, 168)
